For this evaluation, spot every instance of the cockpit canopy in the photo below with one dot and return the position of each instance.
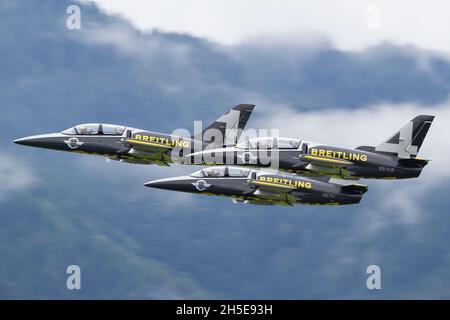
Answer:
(270, 143)
(95, 129)
(217, 172)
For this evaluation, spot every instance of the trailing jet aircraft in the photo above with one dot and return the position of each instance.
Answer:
(133, 145)
(396, 158)
(256, 186)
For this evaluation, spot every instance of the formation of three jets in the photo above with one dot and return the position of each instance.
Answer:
(306, 172)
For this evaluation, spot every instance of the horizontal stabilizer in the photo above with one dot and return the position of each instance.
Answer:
(413, 163)
(354, 189)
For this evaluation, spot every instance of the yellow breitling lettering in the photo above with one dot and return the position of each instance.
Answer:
(339, 154)
(163, 141)
(287, 182)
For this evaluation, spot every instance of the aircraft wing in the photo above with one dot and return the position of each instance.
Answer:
(144, 160)
(333, 167)
(264, 186)
(155, 162)
(143, 152)
(263, 202)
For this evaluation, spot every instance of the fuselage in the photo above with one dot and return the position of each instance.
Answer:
(314, 158)
(261, 187)
(117, 143)
(141, 146)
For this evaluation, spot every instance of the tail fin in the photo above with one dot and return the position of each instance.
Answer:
(406, 143)
(230, 125)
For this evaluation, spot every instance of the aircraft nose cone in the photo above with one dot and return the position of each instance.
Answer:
(51, 141)
(177, 184)
(27, 141)
(157, 184)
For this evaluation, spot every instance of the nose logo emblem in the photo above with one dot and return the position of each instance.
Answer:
(201, 185)
(73, 143)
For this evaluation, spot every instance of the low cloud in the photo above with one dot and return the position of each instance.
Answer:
(126, 40)
(15, 176)
(350, 25)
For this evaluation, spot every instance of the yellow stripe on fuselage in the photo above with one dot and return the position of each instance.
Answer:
(272, 184)
(149, 144)
(326, 159)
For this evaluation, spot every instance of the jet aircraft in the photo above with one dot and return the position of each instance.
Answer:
(133, 145)
(263, 187)
(395, 158)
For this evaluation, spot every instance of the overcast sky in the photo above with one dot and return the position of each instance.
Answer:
(348, 24)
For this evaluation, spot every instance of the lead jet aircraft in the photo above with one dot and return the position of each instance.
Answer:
(257, 186)
(395, 158)
(133, 145)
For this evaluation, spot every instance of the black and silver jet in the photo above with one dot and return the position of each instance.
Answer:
(263, 187)
(133, 145)
(395, 158)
